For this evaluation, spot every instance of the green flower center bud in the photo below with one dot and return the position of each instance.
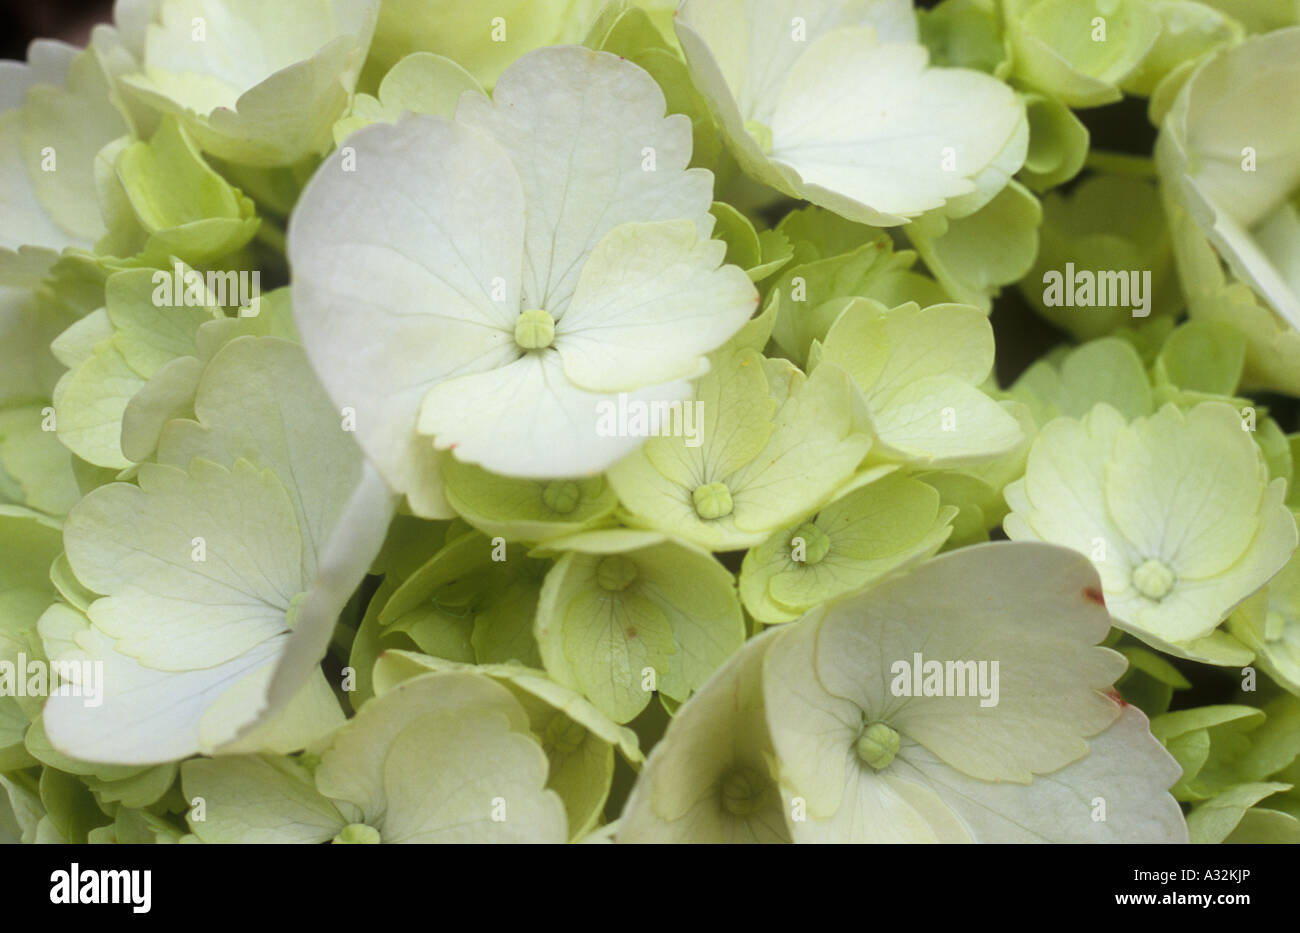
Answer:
(878, 745)
(561, 496)
(816, 544)
(534, 329)
(615, 573)
(761, 133)
(743, 791)
(712, 500)
(358, 833)
(563, 734)
(1154, 579)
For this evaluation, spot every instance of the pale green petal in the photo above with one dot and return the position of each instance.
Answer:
(1197, 516)
(1057, 46)
(718, 735)
(1061, 498)
(594, 117)
(24, 808)
(510, 420)
(1107, 370)
(352, 769)
(837, 147)
(1241, 101)
(525, 510)
(33, 457)
(1105, 224)
(784, 84)
(265, 84)
(444, 756)
(250, 799)
(259, 400)
(63, 116)
(578, 739)
(1197, 737)
(1042, 635)
(89, 403)
(1262, 825)
(1118, 793)
(619, 626)
(468, 777)
(1189, 30)
(421, 82)
(184, 208)
(815, 292)
(1058, 143)
(975, 255)
(472, 35)
(450, 230)
(29, 543)
(140, 546)
(917, 370)
(650, 301)
(812, 730)
(168, 395)
(147, 716)
(1212, 821)
(1186, 616)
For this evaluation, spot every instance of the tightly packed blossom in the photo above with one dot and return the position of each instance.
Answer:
(635, 422)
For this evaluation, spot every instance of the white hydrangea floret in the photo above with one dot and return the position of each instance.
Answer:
(1176, 511)
(1020, 752)
(836, 103)
(489, 284)
(255, 82)
(222, 573)
(1229, 153)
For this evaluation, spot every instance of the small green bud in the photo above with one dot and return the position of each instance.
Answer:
(1153, 579)
(712, 500)
(878, 745)
(563, 734)
(358, 833)
(561, 496)
(615, 573)
(816, 543)
(743, 791)
(534, 329)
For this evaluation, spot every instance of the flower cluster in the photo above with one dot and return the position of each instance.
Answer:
(724, 421)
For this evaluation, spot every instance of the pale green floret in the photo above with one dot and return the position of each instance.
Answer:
(358, 834)
(1153, 579)
(762, 135)
(712, 501)
(615, 573)
(839, 147)
(534, 329)
(816, 543)
(561, 495)
(743, 791)
(877, 745)
(563, 734)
